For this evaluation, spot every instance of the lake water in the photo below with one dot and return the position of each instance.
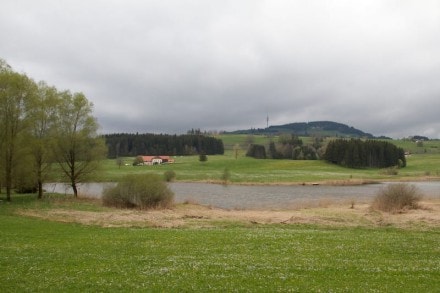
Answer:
(258, 196)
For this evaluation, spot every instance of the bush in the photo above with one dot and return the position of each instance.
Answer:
(138, 161)
(393, 171)
(141, 191)
(169, 175)
(226, 176)
(203, 157)
(397, 197)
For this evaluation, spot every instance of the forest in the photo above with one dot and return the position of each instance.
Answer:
(355, 153)
(129, 145)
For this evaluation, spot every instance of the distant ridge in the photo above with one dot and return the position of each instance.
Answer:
(321, 128)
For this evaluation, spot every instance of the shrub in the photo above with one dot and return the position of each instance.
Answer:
(226, 176)
(138, 161)
(397, 197)
(203, 157)
(169, 175)
(141, 191)
(390, 171)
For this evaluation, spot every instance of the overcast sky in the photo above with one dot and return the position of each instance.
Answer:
(169, 66)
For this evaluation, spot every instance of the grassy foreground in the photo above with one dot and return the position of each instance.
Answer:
(47, 256)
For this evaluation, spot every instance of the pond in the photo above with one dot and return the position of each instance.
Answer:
(259, 196)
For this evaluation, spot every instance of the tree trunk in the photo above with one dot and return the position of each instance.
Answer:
(8, 193)
(8, 184)
(75, 190)
(40, 189)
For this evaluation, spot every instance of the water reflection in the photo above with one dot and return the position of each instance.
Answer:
(256, 197)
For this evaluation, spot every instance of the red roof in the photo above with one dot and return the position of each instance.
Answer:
(150, 158)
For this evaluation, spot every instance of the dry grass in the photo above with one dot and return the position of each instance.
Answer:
(191, 215)
(397, 198)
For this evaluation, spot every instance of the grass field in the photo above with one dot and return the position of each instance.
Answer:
(249, 170)
(421, 165)
(52, 256)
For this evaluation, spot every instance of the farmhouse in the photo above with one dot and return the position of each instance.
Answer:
(156, 160)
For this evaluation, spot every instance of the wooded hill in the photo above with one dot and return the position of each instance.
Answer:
(316, 128)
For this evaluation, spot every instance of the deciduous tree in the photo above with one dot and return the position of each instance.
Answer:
(236, 149)
(78, 148)
(15, 92)
(43, 119)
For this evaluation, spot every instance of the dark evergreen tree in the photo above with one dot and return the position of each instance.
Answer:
(256, 151)
(128, 145)
(273, 154)
(356, 153)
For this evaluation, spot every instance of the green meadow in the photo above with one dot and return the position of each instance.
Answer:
(423, 163)
(48, 256)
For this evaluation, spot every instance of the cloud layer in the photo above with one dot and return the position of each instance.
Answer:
(169, 66)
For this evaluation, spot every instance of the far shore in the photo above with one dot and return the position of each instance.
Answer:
(342, 182)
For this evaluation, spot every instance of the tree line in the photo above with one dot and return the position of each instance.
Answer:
(41, 126)
(288, 146)
(352, 153)
(128, 145)
(355, 153)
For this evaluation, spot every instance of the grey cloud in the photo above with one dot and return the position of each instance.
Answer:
(168, 66)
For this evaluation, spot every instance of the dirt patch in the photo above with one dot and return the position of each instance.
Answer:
(330, 214)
